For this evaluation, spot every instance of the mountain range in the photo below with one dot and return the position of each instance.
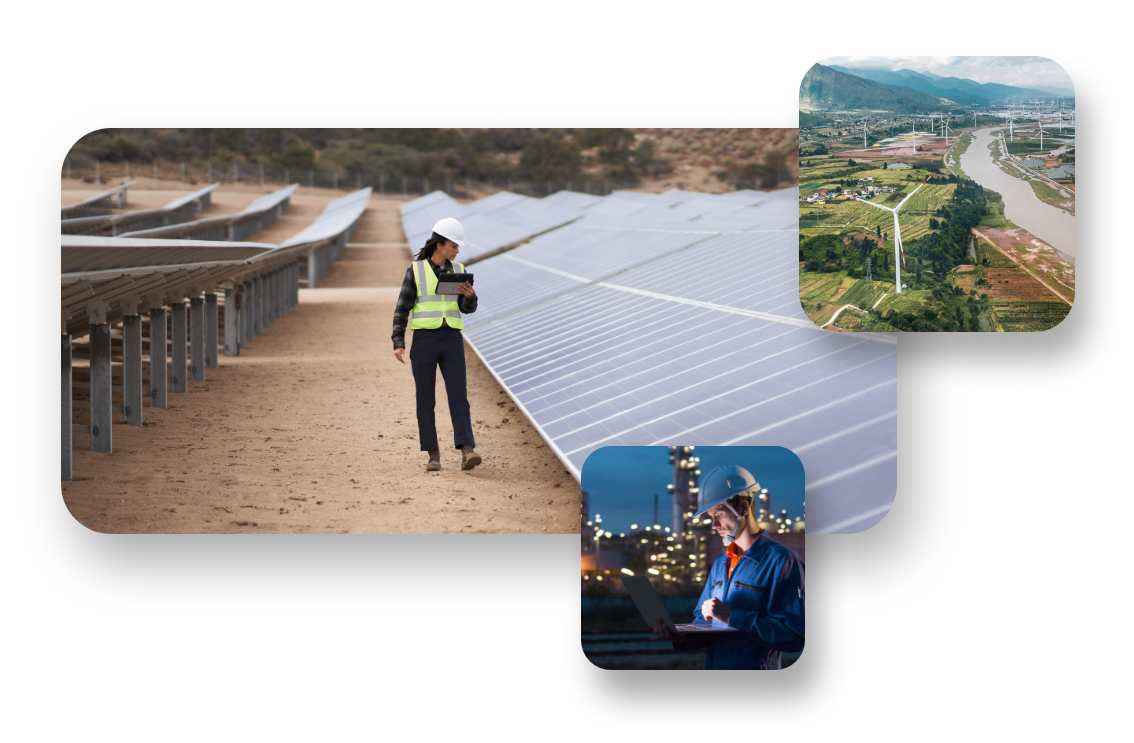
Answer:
(827, 87)
(957, 89)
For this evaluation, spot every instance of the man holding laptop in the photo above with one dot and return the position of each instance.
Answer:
(752, 607)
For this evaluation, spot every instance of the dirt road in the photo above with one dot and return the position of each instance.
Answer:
(312, 429)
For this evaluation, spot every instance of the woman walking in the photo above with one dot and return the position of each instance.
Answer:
(436, 323)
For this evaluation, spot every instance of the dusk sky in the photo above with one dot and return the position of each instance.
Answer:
(621, 480)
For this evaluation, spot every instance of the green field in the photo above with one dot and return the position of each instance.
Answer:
(996, 259)
(1047, 194)
(863, 294)
(822, 294)
(1032, 146)
(914, 215)
(819, 287)
(1030, 316)
(960, 149)
(1015, 172)
(996, 219)
(907, 301)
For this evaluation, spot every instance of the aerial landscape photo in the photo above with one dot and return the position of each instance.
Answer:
(937, 194)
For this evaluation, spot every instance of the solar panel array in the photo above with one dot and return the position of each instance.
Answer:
(253, 218)
(674, 319)
(336, 217)
(494, 222)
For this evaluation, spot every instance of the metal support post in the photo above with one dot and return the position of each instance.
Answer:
(102, 393)
(312, 279)
(231, 342)
(65, 442)
(212, 320)
(258, 306)
(274, 295)
(197, 339)
(180, 371)
(132, 369)
(266, 291)
(246, 312)
(281, 305)
(277, 294)
(159, 372)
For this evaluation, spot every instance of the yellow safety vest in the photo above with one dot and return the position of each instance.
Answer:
(431, 308)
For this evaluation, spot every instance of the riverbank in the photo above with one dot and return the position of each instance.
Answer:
(1048, 223)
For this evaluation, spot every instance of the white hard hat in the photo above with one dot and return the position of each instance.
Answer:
(451, 229)
(723, 483)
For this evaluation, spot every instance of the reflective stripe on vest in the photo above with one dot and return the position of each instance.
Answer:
(431, 308)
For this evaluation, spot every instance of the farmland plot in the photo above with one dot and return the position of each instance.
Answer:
(1030, 316)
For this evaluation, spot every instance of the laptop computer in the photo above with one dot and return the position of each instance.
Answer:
(650, 604)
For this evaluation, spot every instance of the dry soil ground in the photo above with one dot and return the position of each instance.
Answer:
(312, 427)
(1037, 256)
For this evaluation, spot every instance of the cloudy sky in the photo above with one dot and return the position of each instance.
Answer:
(1021, 71)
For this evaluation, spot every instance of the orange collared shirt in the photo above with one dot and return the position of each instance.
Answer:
(734, 554)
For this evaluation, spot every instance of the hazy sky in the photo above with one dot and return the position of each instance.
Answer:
(1021, 71)
(621, 481)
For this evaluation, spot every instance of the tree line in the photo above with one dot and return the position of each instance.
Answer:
(481, 154)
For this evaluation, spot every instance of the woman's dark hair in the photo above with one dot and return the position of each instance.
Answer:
(430, 245)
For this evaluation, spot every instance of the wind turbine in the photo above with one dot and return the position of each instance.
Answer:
(864, 134)
(899, 254)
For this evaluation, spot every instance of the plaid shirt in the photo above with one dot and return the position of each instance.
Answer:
(407, 298)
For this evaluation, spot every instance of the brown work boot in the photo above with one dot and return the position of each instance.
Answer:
(434, 462)
(469, 458)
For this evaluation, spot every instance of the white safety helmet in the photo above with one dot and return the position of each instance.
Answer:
(451, 229)
(721, 484)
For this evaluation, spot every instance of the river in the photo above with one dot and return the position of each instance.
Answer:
(1021, 205)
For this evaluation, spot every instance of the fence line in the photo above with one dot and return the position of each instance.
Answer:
(267, 176)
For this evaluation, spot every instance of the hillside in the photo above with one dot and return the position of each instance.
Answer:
(914, 80)
(957, 89)
(711, 160)
(824, 88)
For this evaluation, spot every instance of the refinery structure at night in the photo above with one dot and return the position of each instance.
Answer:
(677, 556)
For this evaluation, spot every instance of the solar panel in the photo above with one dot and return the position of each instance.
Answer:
(684, 331)
(572, 198)
(498, 200)
(336, 217)
(270, 200)
(492, 223)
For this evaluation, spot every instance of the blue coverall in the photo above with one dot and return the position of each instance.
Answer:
(765, 593)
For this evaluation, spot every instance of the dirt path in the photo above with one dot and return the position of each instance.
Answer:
(312, 429)
(840, 311)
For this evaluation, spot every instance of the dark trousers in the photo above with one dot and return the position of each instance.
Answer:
(445, 348)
